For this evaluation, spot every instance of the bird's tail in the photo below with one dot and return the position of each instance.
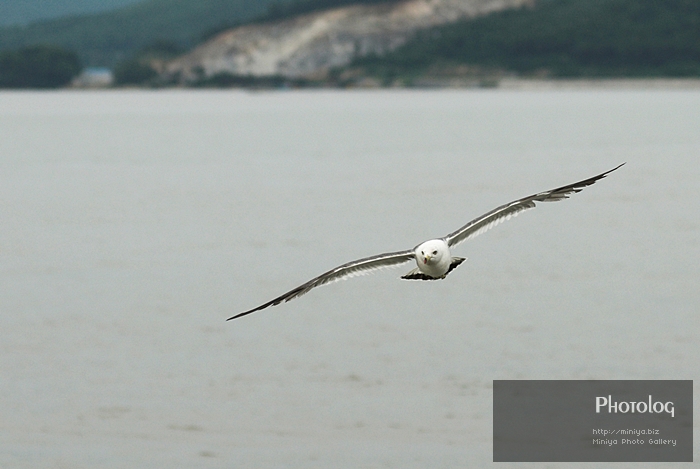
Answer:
(416, 273)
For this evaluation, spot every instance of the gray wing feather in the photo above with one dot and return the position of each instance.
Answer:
(351, 269)
(512, 209)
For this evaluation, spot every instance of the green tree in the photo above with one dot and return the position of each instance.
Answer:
(133, 72)
(39, 66)
(143, 68)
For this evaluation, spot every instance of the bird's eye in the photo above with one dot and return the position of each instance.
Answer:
(434, 252)
(422, 252)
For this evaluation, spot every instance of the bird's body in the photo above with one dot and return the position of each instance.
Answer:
(433, 257)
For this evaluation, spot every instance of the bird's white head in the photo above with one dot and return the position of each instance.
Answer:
(432, 252)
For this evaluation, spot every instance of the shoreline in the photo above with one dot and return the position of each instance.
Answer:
(603, 83)
(509, 83)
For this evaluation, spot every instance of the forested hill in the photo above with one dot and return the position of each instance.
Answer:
(563, 38)
(106, 38)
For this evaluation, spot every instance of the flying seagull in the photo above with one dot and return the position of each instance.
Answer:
(433, 258)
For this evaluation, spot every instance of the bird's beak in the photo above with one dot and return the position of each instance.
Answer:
(426, 260)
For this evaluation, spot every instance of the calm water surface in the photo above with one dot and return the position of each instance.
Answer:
(134, 223)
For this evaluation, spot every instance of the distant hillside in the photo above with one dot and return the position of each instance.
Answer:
(308, 46)
(278, 10)
(561, 38)
(106, 38)
(21, 12)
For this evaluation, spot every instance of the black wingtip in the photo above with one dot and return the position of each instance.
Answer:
(280, 299)
(602, 175)
(617, 167)
(610, 171)
(243, 314)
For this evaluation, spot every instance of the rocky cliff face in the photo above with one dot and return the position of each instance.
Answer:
(309, 45)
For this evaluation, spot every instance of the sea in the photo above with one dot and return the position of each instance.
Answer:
(133, 223)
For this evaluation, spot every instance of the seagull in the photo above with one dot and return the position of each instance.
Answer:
(433, 258)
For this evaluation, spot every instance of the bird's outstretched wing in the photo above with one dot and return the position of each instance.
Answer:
(505, 212)
(351, 269)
